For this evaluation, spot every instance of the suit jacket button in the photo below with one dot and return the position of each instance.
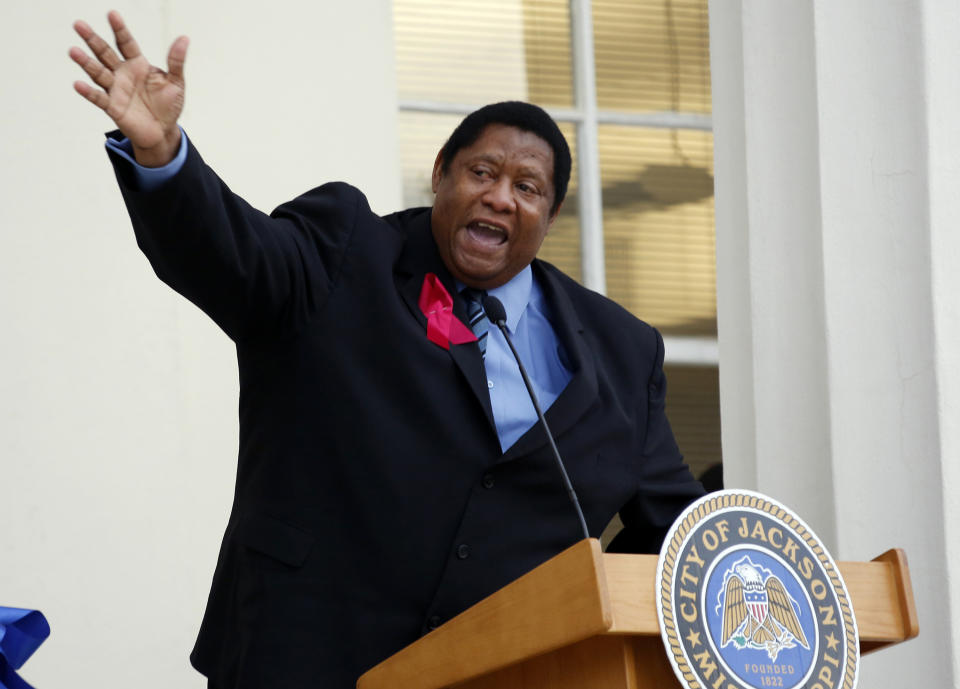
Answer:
(463, 551)
(488, 480)
(433, 622)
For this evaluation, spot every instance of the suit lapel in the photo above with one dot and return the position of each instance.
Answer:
(419, 257)
(581, 392)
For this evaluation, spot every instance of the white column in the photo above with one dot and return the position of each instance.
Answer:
(941, 26)
(770, 282)
(836, 167)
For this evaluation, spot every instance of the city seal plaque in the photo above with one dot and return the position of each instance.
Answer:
(749, 598)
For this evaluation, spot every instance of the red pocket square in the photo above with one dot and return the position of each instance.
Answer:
(443, 328)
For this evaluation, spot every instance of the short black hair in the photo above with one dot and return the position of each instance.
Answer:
(524, 116)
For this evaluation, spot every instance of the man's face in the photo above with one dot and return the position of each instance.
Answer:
(492, 206)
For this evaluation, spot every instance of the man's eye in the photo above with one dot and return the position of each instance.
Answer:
(479, 172)
(527, 188)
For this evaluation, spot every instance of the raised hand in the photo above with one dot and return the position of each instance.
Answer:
(144, 101)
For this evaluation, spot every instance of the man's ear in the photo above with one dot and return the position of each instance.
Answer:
(437, 171)
(554, 215)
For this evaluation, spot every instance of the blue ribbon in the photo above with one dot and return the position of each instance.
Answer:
(21, 633)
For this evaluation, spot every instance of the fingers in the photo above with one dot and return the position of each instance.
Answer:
(101, 76)
(128, 47)
(95, 96)
(99, 46)
(176, 57)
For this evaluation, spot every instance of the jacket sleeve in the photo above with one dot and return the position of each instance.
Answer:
(252, 273)
(666, 485)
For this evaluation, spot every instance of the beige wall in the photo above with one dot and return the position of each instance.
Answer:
(118, 427)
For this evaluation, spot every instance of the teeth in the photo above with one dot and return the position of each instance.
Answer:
(489, 227)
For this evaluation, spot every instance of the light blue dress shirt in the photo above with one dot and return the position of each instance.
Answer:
(149, 178)
(527, 322)
(539, 349)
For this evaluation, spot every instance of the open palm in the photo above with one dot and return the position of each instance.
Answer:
(144, 101)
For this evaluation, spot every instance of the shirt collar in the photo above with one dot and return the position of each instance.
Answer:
(514, 295)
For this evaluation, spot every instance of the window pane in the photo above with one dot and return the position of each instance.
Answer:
(658, 225)
(459, 51)
(652, 55)
(693, 407)
(421, 136)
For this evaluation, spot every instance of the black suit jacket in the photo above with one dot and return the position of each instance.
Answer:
(372, 499)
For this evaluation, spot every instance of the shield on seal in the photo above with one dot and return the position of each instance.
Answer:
(757, 604)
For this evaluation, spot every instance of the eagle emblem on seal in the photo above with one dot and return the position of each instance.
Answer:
(758, 612)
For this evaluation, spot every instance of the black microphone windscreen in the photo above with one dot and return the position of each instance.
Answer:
(494, 309)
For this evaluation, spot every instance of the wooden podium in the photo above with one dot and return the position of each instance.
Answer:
(588, 620)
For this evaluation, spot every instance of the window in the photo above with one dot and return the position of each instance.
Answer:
(629, 83)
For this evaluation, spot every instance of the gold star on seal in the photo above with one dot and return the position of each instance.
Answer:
(694, 638)
(832, 641)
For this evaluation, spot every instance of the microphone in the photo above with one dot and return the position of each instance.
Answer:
(498, 316)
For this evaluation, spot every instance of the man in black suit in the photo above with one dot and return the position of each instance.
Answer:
(390, 475)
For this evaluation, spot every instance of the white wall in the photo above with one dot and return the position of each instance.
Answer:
(942, 57)
(118, 426)
(836, 167)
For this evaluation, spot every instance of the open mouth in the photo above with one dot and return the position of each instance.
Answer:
(486, 234)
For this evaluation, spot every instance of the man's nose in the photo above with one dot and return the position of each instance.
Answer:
(499, 196)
